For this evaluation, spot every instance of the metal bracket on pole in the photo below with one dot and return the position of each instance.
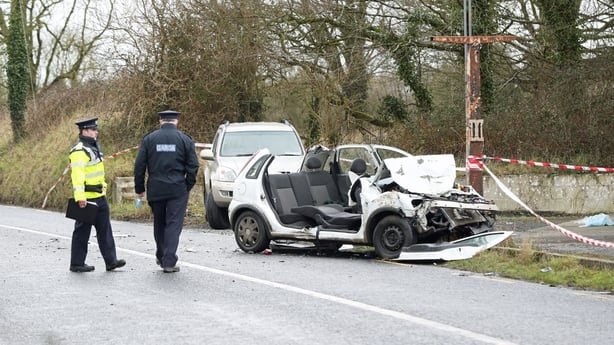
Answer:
(476, 130)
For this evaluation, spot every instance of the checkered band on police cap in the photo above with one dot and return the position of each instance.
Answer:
(169, 114)
(87, 123)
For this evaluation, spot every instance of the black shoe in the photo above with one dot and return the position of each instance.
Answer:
(119, 263)
(83, 268)
(170, 269)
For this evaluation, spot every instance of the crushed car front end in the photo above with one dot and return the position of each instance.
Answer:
(423, 189)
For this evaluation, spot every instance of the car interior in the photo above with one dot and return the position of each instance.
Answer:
(311, 197)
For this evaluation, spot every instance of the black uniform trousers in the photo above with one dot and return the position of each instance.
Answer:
(104, 235)
(168, 223)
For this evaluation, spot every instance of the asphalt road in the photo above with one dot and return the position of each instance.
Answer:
(224, 296)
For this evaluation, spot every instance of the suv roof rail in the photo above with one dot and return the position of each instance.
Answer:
(225, 122)
(284, 121)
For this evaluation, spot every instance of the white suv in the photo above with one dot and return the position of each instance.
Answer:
(233, 145)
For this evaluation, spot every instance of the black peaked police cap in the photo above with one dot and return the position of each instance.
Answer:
(87, 123)
(169, 114)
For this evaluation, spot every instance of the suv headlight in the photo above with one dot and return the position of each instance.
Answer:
(225, 174)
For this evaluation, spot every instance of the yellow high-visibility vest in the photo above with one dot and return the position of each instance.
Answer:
(86, 169)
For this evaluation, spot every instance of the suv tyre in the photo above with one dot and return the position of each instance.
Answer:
(217, 217)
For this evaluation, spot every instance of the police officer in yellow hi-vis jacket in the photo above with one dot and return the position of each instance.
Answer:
(89, 186)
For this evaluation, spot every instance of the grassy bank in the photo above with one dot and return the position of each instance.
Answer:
(530, 264)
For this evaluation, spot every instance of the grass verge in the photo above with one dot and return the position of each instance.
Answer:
(528, 264)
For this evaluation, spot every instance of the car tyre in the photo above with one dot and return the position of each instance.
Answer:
(390, 235)
(251, 233)
(216, 216)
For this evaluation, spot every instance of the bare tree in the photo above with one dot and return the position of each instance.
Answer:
(60, 37)
(326, 41)
(202, 57)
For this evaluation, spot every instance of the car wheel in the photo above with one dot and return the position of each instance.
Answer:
(391, 234)
(251, 233)
(217, 217)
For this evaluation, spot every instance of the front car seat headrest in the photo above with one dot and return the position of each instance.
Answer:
(359, 166)
(313, 163)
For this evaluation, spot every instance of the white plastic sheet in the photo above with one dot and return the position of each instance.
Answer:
(600, 219)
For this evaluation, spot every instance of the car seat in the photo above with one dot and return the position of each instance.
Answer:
(358, 169)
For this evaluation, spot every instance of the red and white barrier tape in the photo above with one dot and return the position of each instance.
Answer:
(67, 169)
(122, 152)
(546, 165)
(474, 163)
(564, 231)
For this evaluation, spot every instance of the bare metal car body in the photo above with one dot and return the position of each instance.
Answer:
(371, 195)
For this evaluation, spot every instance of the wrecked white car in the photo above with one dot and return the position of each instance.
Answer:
(406, 207)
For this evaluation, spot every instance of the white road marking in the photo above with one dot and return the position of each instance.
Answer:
(358, 305)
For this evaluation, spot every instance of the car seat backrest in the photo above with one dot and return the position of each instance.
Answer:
(322, 185)
(313, 188)
(283, 195)
(358, 167)
(302, 190)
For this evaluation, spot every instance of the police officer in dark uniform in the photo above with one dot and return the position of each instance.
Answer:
(89, 186)
(169, 157)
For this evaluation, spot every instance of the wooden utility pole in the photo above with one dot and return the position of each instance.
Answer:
(474, 131)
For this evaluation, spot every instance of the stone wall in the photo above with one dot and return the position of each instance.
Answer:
(586, 193)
